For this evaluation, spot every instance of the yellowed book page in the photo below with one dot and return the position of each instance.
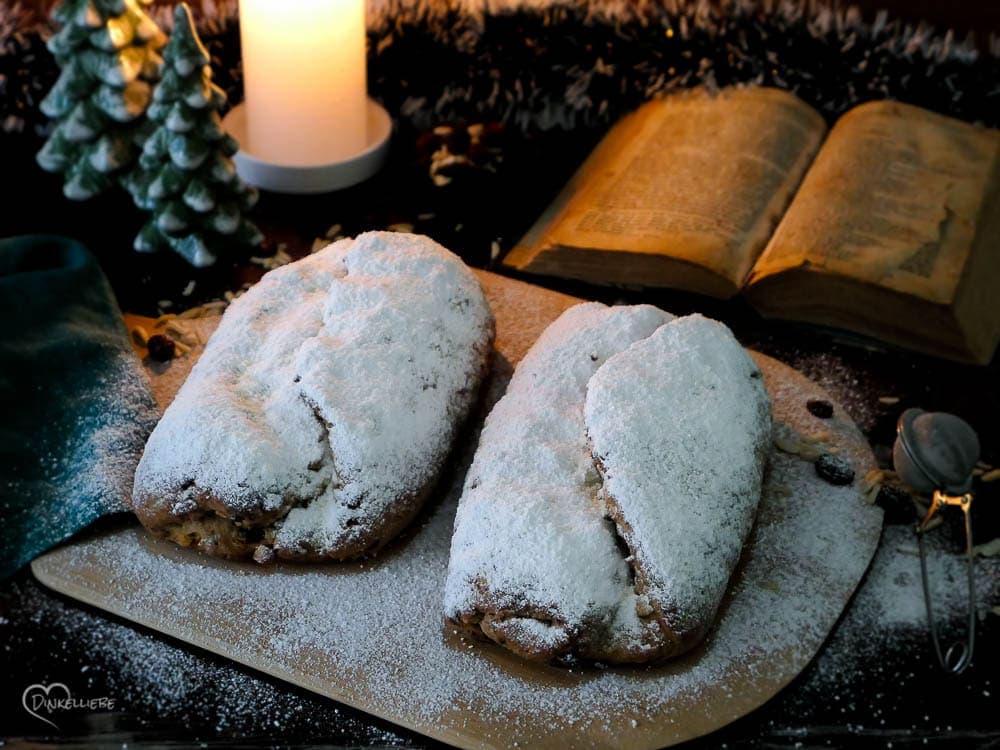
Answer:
(893, 200)
(697, 177)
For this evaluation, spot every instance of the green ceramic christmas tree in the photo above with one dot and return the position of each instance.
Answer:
(187, 178)
(108, 51)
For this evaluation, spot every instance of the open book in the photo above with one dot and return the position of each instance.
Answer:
(888, 226)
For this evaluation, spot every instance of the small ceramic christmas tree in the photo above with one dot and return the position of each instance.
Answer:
(187, 178)
(108, 52)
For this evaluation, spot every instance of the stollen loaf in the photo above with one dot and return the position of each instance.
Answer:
(612, 490)
(323, 408)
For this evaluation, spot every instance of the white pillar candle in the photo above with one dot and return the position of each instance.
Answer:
(305, 79)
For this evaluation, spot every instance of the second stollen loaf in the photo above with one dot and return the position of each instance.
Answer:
(613, 489)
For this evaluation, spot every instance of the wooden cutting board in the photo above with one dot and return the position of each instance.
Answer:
(371, 635)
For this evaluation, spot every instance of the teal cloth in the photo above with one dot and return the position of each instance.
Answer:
(75, 406)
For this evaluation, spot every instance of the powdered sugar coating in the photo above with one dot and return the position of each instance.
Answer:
(680, 425)
(330, 392)
(532, 538)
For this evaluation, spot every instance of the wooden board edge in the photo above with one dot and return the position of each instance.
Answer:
(262, 664)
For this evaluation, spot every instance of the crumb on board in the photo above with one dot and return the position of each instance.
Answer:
(988, 549)
(270, 262)
(179, 328)
(808, 447)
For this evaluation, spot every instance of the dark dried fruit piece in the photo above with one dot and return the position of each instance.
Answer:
(820, 408)
(161, 347)
(834, 469)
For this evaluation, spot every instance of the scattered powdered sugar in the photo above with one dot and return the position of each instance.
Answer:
(151, 676)
(371, 634)
(160, 682)
(81, 467)
(103, 447)
(330, 392)
(890, 607)
(680, 425)
(831, 373)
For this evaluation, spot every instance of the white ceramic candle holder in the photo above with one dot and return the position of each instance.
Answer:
(318, 178)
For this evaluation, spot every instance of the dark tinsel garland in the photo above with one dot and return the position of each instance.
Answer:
(579, 64)
(27, 70)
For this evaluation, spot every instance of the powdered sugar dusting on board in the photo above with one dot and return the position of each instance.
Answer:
(330, 392)
(167, 681)
(885, 626)
(371, 634)
(889, 610)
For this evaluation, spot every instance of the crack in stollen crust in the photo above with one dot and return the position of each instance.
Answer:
(658, 639)
(211, 526)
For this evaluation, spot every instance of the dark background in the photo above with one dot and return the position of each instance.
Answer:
(173, 695)
(981, 16)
